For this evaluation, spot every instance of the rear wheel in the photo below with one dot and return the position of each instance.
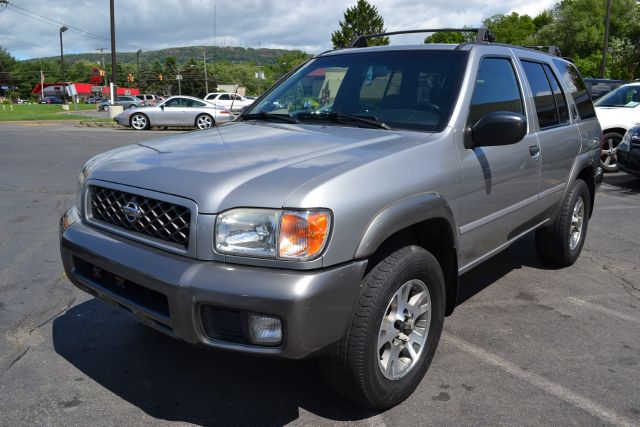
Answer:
(561, 242)
(204, 121)
(394, 333)
(139, 121)
(608, 158)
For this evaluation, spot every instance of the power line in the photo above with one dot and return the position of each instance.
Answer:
(31, 44)
(33, 15)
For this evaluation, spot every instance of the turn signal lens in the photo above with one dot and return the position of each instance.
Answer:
(303, 234)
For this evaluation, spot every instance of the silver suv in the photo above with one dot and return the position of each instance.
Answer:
(334, 216)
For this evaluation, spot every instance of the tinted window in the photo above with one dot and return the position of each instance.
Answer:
(175, 102)
(413, 90)
(542, 95)
(558, 94)
(224, 97)
(496, 89)
(571, 77)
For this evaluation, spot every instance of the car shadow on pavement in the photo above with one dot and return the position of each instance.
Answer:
(625, 183)
(175, 381)
(521, 253)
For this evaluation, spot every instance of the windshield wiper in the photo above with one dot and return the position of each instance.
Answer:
(337, 116)
(269, 116)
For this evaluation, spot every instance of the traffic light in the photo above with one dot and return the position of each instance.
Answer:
(160, 77)
(130, 77)
(102, 73)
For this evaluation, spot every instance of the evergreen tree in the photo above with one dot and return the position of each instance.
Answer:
(360, 20)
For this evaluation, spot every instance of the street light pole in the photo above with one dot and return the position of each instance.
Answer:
(605, 46)
(138, 59)
(206, 83)
(64, 85)
(114, 68)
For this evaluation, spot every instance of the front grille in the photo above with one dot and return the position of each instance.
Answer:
(142, 215)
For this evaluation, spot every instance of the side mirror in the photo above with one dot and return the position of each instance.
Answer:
(497, 128)
(162, 107)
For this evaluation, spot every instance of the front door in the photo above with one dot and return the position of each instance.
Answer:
(500, 184)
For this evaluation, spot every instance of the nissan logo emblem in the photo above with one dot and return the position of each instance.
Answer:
(131, 211)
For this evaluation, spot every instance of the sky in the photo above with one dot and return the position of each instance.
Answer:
(155, 24)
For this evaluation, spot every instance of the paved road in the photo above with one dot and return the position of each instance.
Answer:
(528, 346)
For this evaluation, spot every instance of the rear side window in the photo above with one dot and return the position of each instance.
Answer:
(542, 94)
(558, 94)
(496, 89)
(578, 90)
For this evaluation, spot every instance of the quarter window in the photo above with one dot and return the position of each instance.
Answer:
(578, 90)
(496, 89)
(558, 94)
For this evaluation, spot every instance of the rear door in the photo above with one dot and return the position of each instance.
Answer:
(559, 138)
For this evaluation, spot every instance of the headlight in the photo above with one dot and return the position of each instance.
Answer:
(267, 233)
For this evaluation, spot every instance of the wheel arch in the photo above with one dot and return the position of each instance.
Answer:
(425, 220)
(617, 129)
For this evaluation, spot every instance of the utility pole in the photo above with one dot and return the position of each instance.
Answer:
(64, 85)
(605, 46)
(213, 60)
(104, 64)
(114, 68)
(206, 83)
(138, 60)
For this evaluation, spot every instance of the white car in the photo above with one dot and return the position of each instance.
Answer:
(617, 111)
(230, 101)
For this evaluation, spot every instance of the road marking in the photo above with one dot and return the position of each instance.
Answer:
(595, 409)
(605, 310)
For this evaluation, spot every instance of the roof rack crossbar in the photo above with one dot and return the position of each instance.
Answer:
(482, 34)
(551, 50)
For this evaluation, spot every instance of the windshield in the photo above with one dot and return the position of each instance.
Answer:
(624, 96)
(413, 90)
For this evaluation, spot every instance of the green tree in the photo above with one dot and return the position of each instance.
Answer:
(513, 28)
(453, 37)
(287, 62)
(359, 20)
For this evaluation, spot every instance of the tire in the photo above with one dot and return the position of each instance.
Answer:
(557, 244)
(610, 143)
(204, 121)
(139, 121)
(362, 369)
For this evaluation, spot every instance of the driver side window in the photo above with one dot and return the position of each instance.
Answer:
(496, 89)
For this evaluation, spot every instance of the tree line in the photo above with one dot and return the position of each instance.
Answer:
(577, 27)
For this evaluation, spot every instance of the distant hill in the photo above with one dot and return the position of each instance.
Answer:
(260, 56)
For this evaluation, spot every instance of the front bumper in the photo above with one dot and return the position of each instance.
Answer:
(121, 119)
(315, 306)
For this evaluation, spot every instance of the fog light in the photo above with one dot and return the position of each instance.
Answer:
(264, 330)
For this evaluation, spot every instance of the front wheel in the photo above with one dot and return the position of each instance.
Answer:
(394, 332)
(608, 157)
(204, 121)
(561, 242)
(139, 121)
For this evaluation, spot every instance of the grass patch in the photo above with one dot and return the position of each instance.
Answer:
(44, 112)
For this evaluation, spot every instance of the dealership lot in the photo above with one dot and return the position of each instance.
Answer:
(527, 346)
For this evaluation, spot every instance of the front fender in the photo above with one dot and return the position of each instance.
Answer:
(402, 214)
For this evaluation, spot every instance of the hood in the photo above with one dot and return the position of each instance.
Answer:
(245, 164)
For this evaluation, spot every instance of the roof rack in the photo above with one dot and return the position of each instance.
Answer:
(483, 35)
(551, 50)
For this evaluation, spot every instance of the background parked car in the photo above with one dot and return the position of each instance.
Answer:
(617, 112)
(628, 153)
(125, 101)
(95, 100)
(51, 100)
(149, 99)
(230, 101)
(600, 87)
(175, 111)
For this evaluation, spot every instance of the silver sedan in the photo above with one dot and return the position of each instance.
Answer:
(176, 111)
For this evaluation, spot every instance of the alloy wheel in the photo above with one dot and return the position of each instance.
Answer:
(403, 330)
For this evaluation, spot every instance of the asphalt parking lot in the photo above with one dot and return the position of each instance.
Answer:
(527, 345)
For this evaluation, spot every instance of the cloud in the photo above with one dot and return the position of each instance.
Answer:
(156, 24)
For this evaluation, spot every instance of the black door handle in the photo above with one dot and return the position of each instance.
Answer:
(534, 150)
